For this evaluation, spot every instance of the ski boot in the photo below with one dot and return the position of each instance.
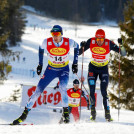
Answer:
(65, 116)
(108, 116)
(93, 113)
(21, 118)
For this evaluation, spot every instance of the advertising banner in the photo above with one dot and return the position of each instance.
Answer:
(52, 98)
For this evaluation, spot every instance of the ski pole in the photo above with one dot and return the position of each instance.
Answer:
(119, 86)
(85, 89)
(82, 83)
(81, 77)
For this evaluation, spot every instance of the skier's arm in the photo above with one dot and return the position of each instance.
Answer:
(42, 47)
(41, 53)
(86, 46)
(39, 67)
(75, 45)
(115, 48)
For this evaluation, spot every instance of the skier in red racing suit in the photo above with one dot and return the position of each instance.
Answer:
(74, 95)
(100, 48)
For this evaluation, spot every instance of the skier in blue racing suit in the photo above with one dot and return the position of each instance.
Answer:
(57, 49)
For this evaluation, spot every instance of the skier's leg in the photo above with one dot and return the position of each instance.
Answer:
(63, 79)
(63, 90)
(104, 77)
(69, 109)
(62, 118)
(75, 113)
(92, 76)
(48, 76)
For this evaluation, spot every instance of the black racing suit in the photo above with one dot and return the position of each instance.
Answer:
(102, 72)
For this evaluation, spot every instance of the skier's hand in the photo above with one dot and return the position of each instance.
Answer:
(82, 79)
(39, 69)
(83, 43)
(120, 41)
(74, 68)
(123, 50)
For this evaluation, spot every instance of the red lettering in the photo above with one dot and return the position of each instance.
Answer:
(35, 105)
(50, 98)
(57, 98)
(39, 100)
(30, 92)
(45, 97)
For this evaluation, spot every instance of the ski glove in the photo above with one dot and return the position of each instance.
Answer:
(74, 68)
(39, 69)
(120, 41)
(123, 50)
(83, 43)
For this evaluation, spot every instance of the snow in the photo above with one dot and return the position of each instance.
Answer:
(29, 8)
(45, 120)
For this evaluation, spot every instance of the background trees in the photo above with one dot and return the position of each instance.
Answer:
(127, 63)
(88, 10)
(11, 29)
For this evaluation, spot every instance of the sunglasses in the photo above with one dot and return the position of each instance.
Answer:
(76, 84)
(99, 39)
(55, 33)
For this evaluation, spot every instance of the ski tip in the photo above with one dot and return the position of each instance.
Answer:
(27, 124)
(11, 124)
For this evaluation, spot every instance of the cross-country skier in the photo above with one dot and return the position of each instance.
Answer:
(57, 49)
(100, 48)
(74, 95)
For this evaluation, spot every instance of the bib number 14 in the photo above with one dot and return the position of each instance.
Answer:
(58, 58)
